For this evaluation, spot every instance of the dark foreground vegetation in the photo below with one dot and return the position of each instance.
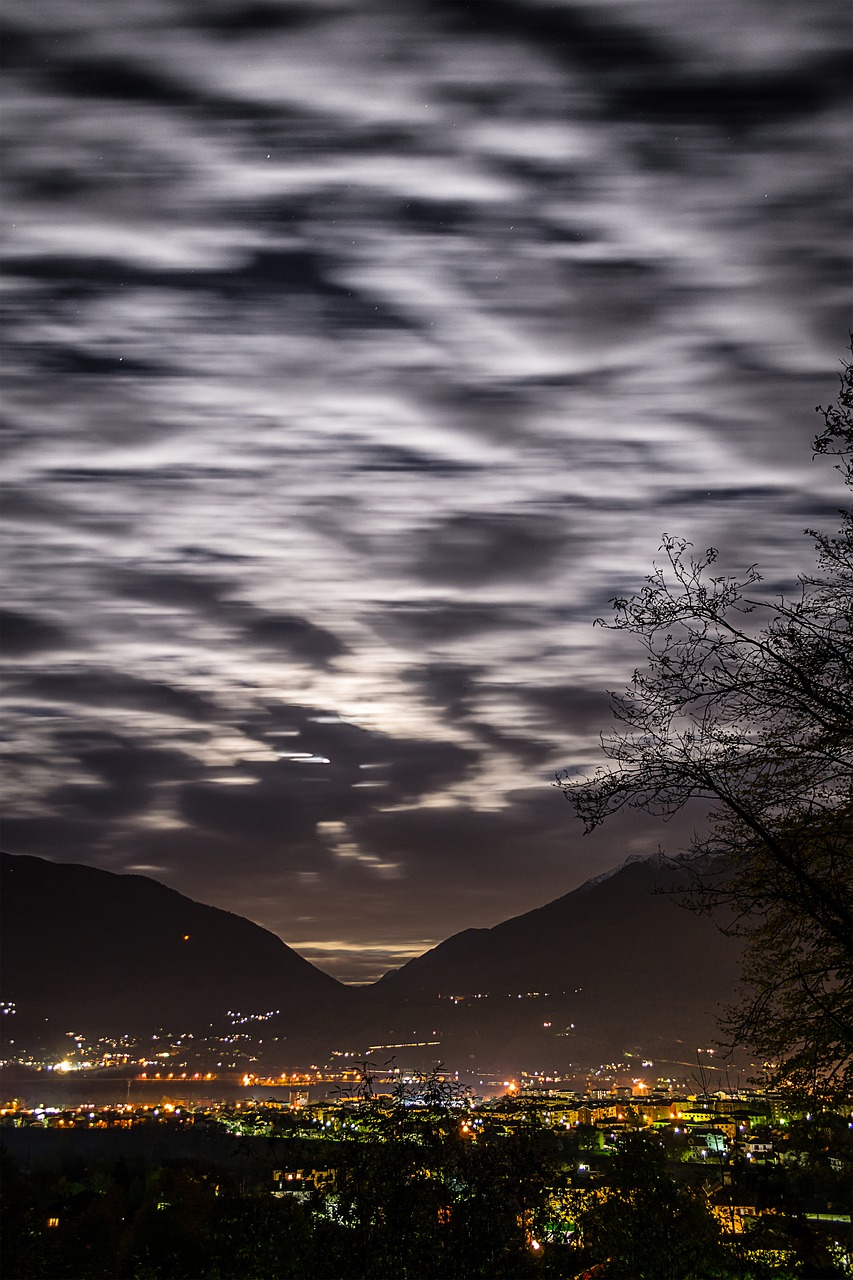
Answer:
(412, 1193)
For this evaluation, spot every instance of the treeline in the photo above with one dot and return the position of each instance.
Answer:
(410, 1195)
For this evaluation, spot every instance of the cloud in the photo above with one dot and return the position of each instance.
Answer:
(348, 378)
(93, 688)
(418, 768)
(109, 779)
(124, 762)
(98, 804)
(739, 101)
(572, 708)
(465, 699)
(286, 633)
(58, 837)
(22, 634)
(467, 550)
(241, 20)
(438, 623)
(270, 813)
(174, 589)
(452, 686)
(295, 636)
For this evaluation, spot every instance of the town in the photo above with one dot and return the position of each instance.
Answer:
(764, 1178)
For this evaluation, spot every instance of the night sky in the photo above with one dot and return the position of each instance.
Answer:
(356, 355)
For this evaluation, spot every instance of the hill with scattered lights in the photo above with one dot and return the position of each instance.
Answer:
(617, 966)
(615, 969)
(88, 950)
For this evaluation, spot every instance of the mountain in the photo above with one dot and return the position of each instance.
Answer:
(84, 949)
(617, 965)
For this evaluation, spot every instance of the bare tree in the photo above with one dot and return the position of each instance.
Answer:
(747, 703)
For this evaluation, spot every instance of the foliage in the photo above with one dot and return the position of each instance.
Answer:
(498, 1202)
(644, 1226)
(746, 703)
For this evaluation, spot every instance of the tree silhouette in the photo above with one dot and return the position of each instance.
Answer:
(645, 1227)
(747, 703)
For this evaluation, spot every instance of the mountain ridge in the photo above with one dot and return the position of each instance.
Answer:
(613, 966)
(84, 945)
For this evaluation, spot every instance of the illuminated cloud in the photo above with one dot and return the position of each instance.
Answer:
(347, 379)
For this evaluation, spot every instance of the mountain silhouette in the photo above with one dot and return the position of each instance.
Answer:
(616, 966)
(84, 949)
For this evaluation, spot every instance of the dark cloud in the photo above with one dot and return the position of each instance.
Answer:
(639, 70)
(720, 493)
(19, 47)
(23, 506)
(116, 79)
(58, 837)
(330, 771)
(434, 624)
(456, 691)
(122, 761)
(577, 34)
(258, 277)
(452, 686)
(432, 841)
(75, 360)
(99, 804)
(398, 458)
(233, 21)
(22, 634)
(739, 102)
(93, 688)
(405, 768)
(295, 636)
(436, 215)
(279, 813)
(42, 508)
(469, 550)
(569, 707)
(417, 768)
(173, 589)
(523, 747)
(289, 635)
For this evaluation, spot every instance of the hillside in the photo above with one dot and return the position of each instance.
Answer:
(613, 967)
(84, 949)
(617, 965)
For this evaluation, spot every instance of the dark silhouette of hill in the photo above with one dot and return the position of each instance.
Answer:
(84, 949)
(613, 967)
(618, 964)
